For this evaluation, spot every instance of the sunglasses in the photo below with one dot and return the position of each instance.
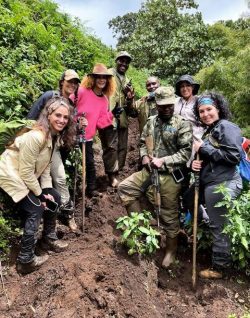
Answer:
(101, 76)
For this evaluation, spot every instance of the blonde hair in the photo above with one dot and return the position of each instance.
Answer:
(89, 82)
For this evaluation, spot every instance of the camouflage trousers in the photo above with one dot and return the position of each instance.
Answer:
(129, 190)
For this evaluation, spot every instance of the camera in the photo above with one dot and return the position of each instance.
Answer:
(51, 206)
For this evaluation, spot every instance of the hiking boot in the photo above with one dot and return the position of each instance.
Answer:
(26, 268)
(113, 181)
(53, 245)
(210, 273)
(72, 225)
(171, 247)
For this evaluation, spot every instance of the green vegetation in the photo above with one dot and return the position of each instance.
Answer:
(238, 226)
(229, 74)
(165, 37)
(137, 234)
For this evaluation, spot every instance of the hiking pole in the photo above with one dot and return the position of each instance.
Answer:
(196, 199)
(82, 141)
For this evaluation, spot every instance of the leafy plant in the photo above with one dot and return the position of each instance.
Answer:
(238, 225)
(137, 234)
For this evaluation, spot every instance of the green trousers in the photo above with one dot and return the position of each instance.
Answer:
(129, 190)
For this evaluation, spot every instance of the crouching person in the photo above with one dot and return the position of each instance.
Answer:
(25, 177)
(170, 150)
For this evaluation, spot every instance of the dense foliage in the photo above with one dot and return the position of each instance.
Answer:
(238, 226)
(37, 43)
(165, 38)
(229, 74)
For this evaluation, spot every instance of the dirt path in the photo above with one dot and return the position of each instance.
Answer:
(95, 278)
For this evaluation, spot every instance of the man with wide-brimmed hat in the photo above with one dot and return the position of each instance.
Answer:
(115, 139)
(171, 137)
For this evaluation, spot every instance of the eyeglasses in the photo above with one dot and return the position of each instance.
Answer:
(100, 76)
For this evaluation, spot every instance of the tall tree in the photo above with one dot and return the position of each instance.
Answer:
(164, 37)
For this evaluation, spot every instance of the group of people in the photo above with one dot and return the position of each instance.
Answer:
(32, 170)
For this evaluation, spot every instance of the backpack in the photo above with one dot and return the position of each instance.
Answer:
(9, 130)
(244, 166)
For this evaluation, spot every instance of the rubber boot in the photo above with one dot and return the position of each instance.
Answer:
(50, 240)
(171, 247)
(133, 207)
(37, 262)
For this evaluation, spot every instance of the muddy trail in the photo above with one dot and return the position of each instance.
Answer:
(95, 278)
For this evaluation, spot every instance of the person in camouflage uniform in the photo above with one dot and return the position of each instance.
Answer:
(115, 138)
(146, 106)
(172, 145)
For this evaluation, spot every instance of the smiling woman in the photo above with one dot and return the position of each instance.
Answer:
(219, 152)
(25, 177)
(93, 94)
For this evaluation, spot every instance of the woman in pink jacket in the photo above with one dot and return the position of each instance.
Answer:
(92, 100)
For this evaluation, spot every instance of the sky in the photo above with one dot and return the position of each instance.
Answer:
(95, 14)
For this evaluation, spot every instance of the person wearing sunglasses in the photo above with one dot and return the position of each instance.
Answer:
(92, 102)
(68, 84)
(25, 177)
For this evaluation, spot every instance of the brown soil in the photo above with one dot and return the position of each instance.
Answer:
(95, 278)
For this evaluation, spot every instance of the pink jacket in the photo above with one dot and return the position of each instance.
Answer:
(95, 109)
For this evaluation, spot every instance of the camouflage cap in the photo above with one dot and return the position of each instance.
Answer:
(123, 54)
(164, 95)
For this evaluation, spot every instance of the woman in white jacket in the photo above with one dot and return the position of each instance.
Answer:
(25, 177)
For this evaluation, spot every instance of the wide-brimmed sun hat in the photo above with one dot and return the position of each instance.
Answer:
(100, 69)
(190, 80)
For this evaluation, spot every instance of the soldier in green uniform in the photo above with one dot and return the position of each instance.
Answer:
(146, 106)
(172, 145)
(115, 138)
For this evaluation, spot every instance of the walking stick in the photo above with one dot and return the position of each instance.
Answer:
(82, 141)
(196, 199)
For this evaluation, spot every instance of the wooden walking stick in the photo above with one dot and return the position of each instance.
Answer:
(196, 204)
(82, 141)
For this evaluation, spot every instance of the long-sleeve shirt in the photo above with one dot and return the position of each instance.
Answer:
(95, 109)
(172, 141)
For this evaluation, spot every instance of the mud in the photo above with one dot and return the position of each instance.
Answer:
(95, 278)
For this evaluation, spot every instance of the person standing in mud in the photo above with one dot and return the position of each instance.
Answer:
(146, 106)
(68, 85)
(172, 145)
(93, 94)
(114, 139)
(25, 177)
(219, 154)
